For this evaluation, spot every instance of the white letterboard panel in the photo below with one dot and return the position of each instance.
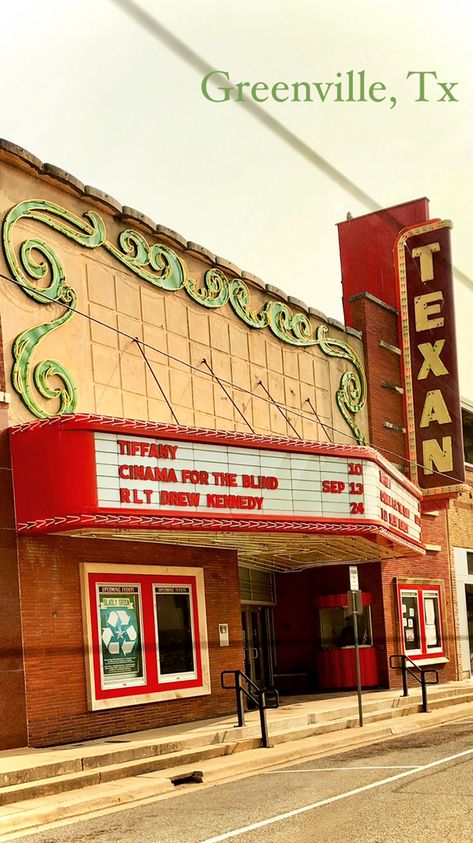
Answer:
(163, 475)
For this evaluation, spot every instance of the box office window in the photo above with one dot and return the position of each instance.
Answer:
(336, 628)
(145, 634)
(420, 618)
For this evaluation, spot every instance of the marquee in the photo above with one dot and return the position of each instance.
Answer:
(80, 473)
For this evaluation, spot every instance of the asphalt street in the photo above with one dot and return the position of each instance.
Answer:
(415, 788)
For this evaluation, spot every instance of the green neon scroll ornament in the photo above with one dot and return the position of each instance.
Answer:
(38, 271)
(351, 394)
(36, 261)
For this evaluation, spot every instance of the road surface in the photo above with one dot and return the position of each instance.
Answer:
(406, 790)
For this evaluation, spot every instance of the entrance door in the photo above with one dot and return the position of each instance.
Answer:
(256, 622)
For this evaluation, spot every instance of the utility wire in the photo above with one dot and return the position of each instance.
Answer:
(198, 63)
(269, 401)
(188, 55)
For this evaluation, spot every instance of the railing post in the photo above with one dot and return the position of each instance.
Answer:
(239, 699)
(425, 707)
(405, 690)
(262, 717)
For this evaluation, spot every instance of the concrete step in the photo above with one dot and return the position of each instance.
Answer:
(112, 772)
(96, 766)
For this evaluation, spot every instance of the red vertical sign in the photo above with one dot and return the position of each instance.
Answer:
(432, 396)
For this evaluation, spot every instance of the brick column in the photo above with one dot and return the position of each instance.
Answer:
(378, 322)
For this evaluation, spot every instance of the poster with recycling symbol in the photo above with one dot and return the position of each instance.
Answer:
(120, 632)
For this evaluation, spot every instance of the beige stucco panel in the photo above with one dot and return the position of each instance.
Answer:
(109, 372)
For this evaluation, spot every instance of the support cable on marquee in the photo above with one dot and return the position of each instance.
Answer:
(156, 380)
(278, 407)
(204, 361)
(322, 425)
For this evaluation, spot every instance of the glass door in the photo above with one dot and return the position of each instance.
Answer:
(256, 622)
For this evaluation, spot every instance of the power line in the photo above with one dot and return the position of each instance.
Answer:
(194, 60)
(202, 66)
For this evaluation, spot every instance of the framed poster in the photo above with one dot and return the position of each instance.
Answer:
(121, 638)
(421, 612)
(145, 634)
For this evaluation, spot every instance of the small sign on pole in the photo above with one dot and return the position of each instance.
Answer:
(355, 608)
(354, 584)
(354, 603)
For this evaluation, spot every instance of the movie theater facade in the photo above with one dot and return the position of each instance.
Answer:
(187, 471)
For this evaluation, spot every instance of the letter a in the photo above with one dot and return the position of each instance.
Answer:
(435, 409)
(432, 362)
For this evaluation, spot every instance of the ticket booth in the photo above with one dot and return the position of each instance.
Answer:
(335, 655)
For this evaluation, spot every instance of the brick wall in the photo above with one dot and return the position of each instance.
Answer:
(460, 515)
(54, 644)
(460, 526)
(379, 324)
(434, 565)
(12, 691)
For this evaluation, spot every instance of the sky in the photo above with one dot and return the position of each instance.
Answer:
(86, 88)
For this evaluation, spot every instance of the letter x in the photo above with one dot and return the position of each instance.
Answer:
(447, 88)
(432, 362)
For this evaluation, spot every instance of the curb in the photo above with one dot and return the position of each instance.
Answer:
(48, 811)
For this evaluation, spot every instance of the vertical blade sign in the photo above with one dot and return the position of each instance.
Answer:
(432, 396)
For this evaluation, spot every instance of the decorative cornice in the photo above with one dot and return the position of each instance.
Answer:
(375, 300)
(159, 266)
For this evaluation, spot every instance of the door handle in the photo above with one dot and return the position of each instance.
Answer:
(255, 653)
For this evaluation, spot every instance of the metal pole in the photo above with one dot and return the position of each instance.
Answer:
(262, 717)
(424, 693)
(357, 665)
(239, 699)
(405, 689)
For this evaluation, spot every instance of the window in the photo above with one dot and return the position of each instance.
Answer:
(256, 586)
(146, 637)
(336, 628)
(467, 424)
(469, 561)
(175, 632)
(420, 618)
(410, 622)
(432, 621)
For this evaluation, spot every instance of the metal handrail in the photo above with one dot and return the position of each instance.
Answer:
(423, 671)
(258, 697)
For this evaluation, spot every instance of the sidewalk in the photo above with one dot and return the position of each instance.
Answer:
(292, 709)
(44, 786)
